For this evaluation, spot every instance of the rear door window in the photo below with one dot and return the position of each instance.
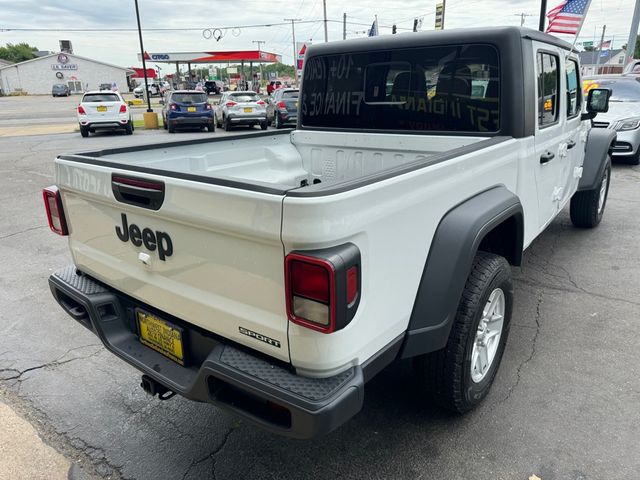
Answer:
(436, 89)
(548, 88)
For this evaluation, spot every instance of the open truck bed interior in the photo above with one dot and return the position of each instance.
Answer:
(280, 162)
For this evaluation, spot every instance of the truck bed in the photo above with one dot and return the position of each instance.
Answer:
(279, 162)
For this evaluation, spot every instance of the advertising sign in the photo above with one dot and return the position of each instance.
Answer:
(301, 48)
(439, 16)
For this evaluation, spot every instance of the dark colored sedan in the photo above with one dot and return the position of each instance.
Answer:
(187, 108)
(283, 107)
(60, 90)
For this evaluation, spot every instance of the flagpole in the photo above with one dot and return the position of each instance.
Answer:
(543, 14)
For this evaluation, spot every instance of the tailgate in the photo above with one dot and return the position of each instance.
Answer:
(223, 269)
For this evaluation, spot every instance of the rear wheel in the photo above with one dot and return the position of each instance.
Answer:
(587, 207)
(227, 125)
(211, 127)
(264, 125)
(164, 123)
(171, 128)
(129, 128)
(278, 122)
(84, 131)
(459, 376)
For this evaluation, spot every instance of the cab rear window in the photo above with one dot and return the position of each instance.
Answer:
(101, 97)
(431, 89)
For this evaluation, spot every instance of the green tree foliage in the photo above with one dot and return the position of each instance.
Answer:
(18, 52)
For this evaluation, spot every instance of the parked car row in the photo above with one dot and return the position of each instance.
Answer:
(106, 110)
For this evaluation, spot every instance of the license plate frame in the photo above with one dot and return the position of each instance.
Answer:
(101, 108)
(155, 332)
(191, 109)
(248, 110)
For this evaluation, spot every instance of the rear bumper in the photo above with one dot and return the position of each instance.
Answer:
(112, 124)
(289, 117)
(264, 392)
(190, 121)
(242, 119)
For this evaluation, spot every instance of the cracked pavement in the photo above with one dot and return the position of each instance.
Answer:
(564, 404)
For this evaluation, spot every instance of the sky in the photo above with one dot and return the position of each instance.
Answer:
(121, 47)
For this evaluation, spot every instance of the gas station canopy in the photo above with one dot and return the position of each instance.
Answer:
(257, 56)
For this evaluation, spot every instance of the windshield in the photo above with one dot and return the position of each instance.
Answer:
(452, 88)
(101, 97)
(59, 87)
(622, 90)
(189, 97)
(290, 94)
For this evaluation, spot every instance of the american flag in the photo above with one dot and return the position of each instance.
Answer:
(568, 16)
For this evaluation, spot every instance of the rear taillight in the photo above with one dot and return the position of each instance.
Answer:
(123, 108)
(231, 104)
(323, 287)
(173, 106)
(281, 106)
(81, 110)
(55, 213)
(260, 102)
(207, 106)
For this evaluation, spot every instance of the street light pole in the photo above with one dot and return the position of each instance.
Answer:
(543, 14)
(293, 32)
(144, 63)
(326, 34)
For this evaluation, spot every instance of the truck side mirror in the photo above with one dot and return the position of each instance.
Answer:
(598, 100)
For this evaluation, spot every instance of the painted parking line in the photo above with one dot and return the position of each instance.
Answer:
(37, 130)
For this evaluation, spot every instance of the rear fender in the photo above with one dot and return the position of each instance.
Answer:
(454, 246)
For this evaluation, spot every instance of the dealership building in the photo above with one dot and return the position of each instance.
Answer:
(80, 74)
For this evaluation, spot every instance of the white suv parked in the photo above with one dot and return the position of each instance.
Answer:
(104, 111)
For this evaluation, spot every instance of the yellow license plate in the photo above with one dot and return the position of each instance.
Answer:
(102, 108)
(248, 110)
(160, 335)
(191, 109)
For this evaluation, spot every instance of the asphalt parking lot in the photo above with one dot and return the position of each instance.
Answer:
(565, 404)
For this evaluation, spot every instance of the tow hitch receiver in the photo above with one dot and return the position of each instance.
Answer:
(154, 388)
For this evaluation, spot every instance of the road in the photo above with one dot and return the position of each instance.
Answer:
(564, 404)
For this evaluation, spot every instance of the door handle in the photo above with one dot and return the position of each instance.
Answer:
(571, 144)
(546, 157)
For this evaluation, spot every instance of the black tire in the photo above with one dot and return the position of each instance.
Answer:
(585, 210)
(133, 127)
(171, 128)
(84, 131)
(264, 125)
(227, 125)
(278, 122)
(211, 128)
(164, 123)
(445, 374)
(129, 128)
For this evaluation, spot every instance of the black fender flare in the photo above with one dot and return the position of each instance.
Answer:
(596, 157)
(449, 262)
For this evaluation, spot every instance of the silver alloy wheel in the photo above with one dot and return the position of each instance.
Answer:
(488, 335)
(603, 192)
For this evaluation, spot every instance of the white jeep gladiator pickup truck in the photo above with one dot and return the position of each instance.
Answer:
(275, 274)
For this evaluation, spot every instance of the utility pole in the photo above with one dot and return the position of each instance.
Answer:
(326, 34)
(633, 34)
(144, 63)
(543, 14)
(604, 28)
(295, 54)
(259, 42)
(344, 26)
(522, 17)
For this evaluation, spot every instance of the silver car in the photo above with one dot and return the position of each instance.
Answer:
(241, 108)
(623, 115)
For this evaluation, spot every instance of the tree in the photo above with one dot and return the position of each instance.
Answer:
(636, 54)
(589, 48)
(17, 53)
